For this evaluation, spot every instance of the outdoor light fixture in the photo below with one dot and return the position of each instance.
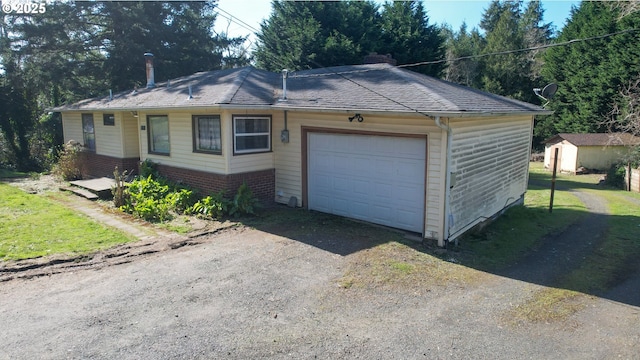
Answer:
(357, 117)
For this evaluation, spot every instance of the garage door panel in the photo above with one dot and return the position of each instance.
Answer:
(374, 178)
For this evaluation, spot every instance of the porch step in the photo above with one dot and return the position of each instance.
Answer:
(82, 192)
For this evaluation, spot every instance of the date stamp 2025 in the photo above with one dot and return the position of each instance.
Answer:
(19, 7)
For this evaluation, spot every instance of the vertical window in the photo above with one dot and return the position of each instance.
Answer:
(207, 134)
(158, 134)
(108, 120)
(251, 134)
(88, 132)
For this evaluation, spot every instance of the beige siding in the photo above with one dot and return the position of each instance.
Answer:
(72, 127)
(599, 157)
(182, 154)
(108, 138)
(489, 160)
(129, 134)
(181, 149)
(288, 156)
(250, 162)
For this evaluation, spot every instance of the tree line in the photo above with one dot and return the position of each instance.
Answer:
(79, 49)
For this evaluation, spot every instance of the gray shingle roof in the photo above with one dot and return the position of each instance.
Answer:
(600, 139)
(373, 87)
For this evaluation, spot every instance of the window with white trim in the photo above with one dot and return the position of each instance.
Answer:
(207, 134)
(158, 134)
(251, 134)
(88, 132)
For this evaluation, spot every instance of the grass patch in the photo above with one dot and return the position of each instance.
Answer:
(403, 266)
(548, 305)
(32, 226)
(520, 229)
(10, 174)
(618, 255)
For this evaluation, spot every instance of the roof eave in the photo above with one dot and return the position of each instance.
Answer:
(177, 107)
(431, 113)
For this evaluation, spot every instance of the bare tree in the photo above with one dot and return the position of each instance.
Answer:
(626, 7)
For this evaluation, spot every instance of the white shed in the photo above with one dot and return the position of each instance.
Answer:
(589, 151)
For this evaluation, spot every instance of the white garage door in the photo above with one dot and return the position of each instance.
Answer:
(379, 179)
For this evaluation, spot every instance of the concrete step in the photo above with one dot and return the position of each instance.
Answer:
(82, 192)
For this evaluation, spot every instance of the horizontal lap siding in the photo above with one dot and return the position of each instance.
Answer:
(130, 134)
(181, 148)
(72, 127)
(288, 156)
(108, 138)
(489, 159)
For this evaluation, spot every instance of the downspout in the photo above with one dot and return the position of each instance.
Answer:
(447, 182)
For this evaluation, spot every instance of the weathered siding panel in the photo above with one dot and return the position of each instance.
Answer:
(489, 160)
(72, 127)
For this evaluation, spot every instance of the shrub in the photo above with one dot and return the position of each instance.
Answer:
(69, 166)
(181, 199)
(243, 202)
(212, 207)
(149, 168)
(615, 176)
(146, 198)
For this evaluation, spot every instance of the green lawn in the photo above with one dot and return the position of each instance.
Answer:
(520, 229)
(33, 226)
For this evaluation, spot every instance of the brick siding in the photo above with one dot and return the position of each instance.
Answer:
(261, 183)
(95, 165)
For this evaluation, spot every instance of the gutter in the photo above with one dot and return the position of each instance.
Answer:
(285, 106)
(447, 182)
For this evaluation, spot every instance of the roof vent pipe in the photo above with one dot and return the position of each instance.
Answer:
(110, 95)
(285, 74)
(150, 76)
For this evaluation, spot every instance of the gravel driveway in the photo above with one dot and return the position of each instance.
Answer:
(245, 293)
(320, 288)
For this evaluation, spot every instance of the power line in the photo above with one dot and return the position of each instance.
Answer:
(506, 52)
(234, 19)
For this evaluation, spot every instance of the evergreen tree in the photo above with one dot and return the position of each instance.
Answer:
(407, 35)
(305, 35)
(465, 45)
(590, 74)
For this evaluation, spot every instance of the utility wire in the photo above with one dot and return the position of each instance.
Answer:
(233, 18)
(506, 52)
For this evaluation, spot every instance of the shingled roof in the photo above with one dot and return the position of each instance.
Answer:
(615, 139)
(372, 87)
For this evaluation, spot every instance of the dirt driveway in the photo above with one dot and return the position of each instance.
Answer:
(323, 288)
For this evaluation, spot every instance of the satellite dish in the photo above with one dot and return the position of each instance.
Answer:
(549, 90)
(546, 93)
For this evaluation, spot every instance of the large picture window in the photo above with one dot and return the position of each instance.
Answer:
(207, 134)
(88, 132)
(251, 134)
(158, 134)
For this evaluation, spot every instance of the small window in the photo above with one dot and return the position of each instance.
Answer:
(251, 134)
(88, 132)
(207, 134)
(108, 120)
(158, 134)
